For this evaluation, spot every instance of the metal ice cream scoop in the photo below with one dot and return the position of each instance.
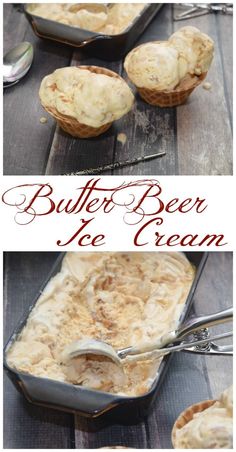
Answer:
(162, 346)
(16, 63)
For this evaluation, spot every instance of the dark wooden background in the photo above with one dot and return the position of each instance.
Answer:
(196, 137)
(190, 378)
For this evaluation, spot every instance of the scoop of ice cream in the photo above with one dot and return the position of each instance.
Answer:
(155, 65)
(211, 428)
(93, 99)
(95, 372)
(195, 47)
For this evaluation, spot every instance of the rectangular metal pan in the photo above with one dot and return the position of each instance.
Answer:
(87, 402)
(106, 47)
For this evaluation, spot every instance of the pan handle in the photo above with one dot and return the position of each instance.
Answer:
(77, 45)
(65, 396)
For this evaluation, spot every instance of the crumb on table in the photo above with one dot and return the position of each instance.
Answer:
(206, 85)
(122, 138)
(43, 120)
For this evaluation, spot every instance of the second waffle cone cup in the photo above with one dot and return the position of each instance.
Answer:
(186, 416)
(71, 125)
(172, 98)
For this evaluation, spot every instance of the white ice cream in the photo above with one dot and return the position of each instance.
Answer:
(93, 99)
(195, 47)
(154, 65)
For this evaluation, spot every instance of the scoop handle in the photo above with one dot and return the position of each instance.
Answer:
(188, 327)
(192, 325)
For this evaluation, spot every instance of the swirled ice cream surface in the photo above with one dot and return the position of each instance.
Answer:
(90, 98)
(113, 20)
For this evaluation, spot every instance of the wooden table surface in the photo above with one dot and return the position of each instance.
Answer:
(197, 137)
(190, 378)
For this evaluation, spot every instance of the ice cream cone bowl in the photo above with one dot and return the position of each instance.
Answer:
(166, 97)
(75, 128)
(186, 416)
(175, 97)
(70, 124)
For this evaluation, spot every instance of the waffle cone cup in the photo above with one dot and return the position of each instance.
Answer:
(186, 416)
(172, 98)
(71, 125)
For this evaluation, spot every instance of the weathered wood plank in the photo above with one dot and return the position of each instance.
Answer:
(215, 294)
(204, 133)
(26, 425)
(26, 140)
(224, 24)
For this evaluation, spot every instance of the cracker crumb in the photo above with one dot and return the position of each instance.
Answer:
(206, 85)
(43, 120)
(122, 138)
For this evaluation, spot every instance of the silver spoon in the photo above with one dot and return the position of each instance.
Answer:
(97, 347)
(9, 84)
(16, 63)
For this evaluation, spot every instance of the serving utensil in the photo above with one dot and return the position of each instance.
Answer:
(16, 63)
(200, 9)
(116, 165)
(162, 346)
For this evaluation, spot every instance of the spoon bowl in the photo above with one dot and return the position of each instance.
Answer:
(17, 62)
(90, 347)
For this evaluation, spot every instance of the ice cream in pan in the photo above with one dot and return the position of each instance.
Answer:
(119, 298)
(111, 19)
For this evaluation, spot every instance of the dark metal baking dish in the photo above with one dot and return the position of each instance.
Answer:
(106, 47)
(87, 402)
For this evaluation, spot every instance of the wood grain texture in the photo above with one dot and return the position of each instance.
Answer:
(190, 378)
(196, 137)
(217, 288)
(204, 135)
